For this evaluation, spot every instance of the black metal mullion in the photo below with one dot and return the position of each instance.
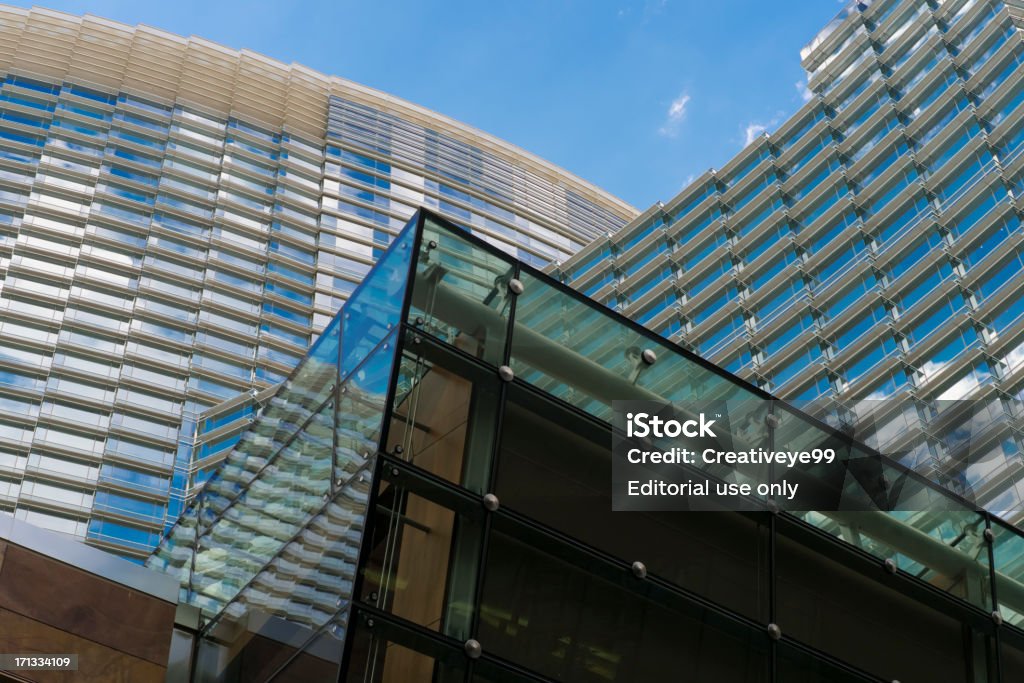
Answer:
(438, 641)
(492, 474)
(997, 659)
(772, 595)
(773, 614)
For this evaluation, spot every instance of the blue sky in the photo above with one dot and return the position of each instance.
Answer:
(636, 96)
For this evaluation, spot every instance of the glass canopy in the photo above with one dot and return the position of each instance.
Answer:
(448, 435)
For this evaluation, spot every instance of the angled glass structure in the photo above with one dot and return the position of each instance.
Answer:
(427, 498)
(178, 222)
(867, 250)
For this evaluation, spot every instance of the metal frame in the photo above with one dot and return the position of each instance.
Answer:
(616, 568)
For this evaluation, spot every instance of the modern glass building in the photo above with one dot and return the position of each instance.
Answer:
(869, 249)
(178, 221)
(427, 498)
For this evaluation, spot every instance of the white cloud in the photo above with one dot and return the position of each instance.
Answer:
(654, 6)
(752, 132)
(674, 117)
(677, 110)
(805, 92)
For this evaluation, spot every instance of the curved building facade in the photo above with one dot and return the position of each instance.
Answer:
(865, 257)
(178, 221)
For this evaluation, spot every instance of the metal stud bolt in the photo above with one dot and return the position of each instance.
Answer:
(889, 565)
(648, 356)
(432, 244)
(997, 618)
(473, 648)
(639, 570)
(988, 535)
(491, 502)
(774, 632)
(515, 286)
(771, 420)
(506, 373)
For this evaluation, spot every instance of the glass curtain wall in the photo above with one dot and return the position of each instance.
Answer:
(463, 528)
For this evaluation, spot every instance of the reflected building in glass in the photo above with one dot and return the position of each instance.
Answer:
(867, 250)
(427, 498)
(178, 221)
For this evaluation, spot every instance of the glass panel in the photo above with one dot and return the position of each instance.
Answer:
(283, 468)
(310, 579)
(376, 306)
(1012, 658)
(249, 532)
(569, 624)
(361, 404)
(945, 549)
(274, 502)
(444, 414)
(174, 555)
(318, 660)
(859, 478)
(266, 648)
(318, 372)
(491, 672)
(1008, 551)
(797, 666)
(387, 652)
(584, 355)
(419, 550)
(461, 293)
(179, 659)
(826, 605)
(722, 556)
(283, 415)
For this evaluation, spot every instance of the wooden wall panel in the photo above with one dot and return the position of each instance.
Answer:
(85, 605)
(96, 663)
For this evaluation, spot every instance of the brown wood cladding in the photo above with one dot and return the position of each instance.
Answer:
(96, 663)
(85, 605)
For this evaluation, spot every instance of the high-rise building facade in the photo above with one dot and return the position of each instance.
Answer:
(178, 221)
(868, 249)
(427, 499)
